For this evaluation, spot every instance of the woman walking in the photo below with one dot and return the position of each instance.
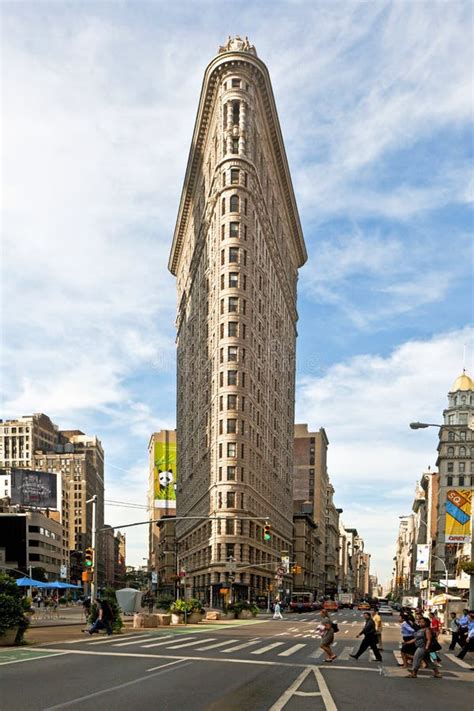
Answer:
(423, 639)
(327, 638)
(408, 648)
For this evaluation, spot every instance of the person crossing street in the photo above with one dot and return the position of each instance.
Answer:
(370, 639)
(378, 628)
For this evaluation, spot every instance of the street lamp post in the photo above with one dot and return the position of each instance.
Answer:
(93, 501)
(424, 425)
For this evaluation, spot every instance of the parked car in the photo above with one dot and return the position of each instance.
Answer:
(364, 605)
(385, 610)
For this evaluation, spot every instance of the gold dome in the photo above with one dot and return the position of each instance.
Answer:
(464, 382)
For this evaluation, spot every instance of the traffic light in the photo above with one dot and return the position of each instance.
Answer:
(89, 559)
(267, 531)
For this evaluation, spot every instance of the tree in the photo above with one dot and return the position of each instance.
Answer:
(12, 608)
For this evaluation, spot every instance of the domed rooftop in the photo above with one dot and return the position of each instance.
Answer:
(463, 382)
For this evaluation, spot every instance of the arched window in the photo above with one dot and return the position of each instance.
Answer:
(234, 203)
(462, 451)
(223, 206)
(451, 436)
(450, 451)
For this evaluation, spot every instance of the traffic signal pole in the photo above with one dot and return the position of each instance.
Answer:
(93, 501)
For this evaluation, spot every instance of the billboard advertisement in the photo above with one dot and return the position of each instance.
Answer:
(34, 489)
(458, 516)
(165, 475)
(422, 557)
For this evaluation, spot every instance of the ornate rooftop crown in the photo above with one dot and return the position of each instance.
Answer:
(237, 44)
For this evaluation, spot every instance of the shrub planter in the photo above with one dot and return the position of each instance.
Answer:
(177, 619)
(244, 615)
(162, 619)
(194, 618)
(8, 638)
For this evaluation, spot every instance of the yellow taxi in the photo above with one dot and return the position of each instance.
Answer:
(330, 605)
(363, 606)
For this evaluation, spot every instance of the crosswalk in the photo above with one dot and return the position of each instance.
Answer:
(255, 647)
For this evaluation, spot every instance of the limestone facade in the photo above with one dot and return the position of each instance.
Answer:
(236, 252)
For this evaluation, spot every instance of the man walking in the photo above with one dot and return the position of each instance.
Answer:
(370, 639)
(378, 628)
(454, 629)
(468, 645)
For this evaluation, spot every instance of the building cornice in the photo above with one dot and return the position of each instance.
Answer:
(213, 71)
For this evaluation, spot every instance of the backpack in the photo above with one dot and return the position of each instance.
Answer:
(335, 628)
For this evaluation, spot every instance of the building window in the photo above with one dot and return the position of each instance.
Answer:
(450, 467)
(461, 481)
(232, 352)
(450, 451)
(229, 526)
(462, 467)
(231, 377)
(235, 145)
(236, 114)
(231, 402)
(234, 176)
(234, 229)
(462, 451)
(231, 426)
(233, 304)
(231, 499)
(233, 280)
(233, 329)
(451, 436)
(236, 83)
(223, 206)
(449, 481)
(231, 449)
(231, 473)
(234, 203)
(233, 254)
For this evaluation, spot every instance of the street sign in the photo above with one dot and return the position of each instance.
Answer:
(285, 563)
(154, 577)
(63, 572)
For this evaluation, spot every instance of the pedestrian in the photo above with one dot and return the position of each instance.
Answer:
(327, 638)
(370, 639)
(463, 627)
(435, 624)
(104, 618)
(277, 611)
(86, 607)
(454, 629)
(408, 648)
(38, 600)
(378, 628)
(469, 643)
(423, 641)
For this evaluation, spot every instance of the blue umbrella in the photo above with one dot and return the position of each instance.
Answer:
(30, 583)
(62, 586)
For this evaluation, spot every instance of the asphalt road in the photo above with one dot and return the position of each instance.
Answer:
(263, 666)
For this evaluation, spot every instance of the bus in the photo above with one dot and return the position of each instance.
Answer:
(303, 602)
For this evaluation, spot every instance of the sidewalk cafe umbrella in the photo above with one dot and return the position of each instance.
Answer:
(63, 586)
(30, 583)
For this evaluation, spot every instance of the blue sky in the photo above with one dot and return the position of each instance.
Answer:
(375, 103)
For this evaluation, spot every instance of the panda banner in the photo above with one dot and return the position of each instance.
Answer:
(165, 474)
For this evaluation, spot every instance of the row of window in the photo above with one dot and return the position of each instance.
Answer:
(461, 467)
(461, 452)
(461, 481)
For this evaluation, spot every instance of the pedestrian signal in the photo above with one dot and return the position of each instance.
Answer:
(89, 558)
(267, 531)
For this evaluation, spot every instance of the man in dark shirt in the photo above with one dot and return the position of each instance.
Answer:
(370, 639)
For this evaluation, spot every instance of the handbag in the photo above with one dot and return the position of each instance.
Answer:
(435, 645)
(335, 628)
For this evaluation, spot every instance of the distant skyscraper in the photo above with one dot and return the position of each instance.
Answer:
(236, 252)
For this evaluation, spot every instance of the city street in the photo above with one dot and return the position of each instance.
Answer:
(263, 665)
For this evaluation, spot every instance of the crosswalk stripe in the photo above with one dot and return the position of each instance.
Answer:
(191, 644)
(398, 656)
(262, 650)
(109, 640)
(157, 644)
(316, 654)
(345, 653)
(459, 662)
(215, 646)
(240, 646)
(291, 650)
(132, 641)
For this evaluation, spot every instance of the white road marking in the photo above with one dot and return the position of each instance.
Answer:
(293, 690)
(215, 646)
(191, 644)
(32, 659)
(344, 655)
(263, 650)
(113, 639)
(162, 666)
(291, 650)
(159, 644)
(130, 642)
(459, 662)
(346, 631)
(240, 646)
(316, 654)
(398, 656)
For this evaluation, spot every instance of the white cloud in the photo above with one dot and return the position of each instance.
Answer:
(366, 404)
